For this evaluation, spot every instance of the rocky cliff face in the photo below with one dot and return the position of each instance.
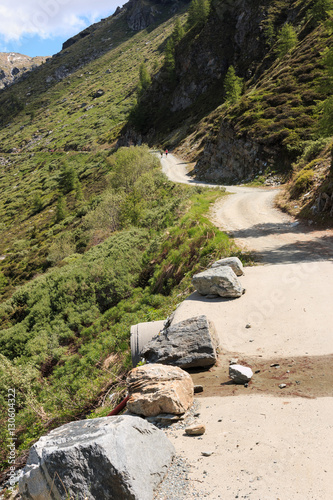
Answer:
(13, 66)
(231, 158)
(140, 13)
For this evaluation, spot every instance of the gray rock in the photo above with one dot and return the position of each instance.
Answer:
(101, 459)
(190, 343)
(240, 374)
(220, 280)
(232, 262)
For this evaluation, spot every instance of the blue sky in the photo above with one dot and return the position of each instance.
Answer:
(39, 27)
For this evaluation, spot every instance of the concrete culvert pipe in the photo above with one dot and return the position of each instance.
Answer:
(141, 334)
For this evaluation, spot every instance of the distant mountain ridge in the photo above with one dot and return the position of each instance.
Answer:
(14, 65)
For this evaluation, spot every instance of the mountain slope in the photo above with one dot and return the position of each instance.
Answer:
(93, 237)
(13, 66)
(269, 126)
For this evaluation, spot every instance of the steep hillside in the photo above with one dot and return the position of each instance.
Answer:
(92, 238)
(278, 112)
(13, 66)
(66, 115)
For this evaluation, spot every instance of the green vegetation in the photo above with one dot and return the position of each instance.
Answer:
(287, 40)
(198, 13)
(64, 336)
(321, 10)
(144, 78)
(232, 86)
(93, 238)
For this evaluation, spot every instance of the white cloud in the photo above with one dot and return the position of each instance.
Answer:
(50, 18)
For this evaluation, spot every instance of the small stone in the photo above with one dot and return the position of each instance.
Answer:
(233, 361)
(275, 365)
(195, 430)
(282, 386)
(240, 374)
(207, 453)
(257, 371)
(248, 325)
(198, 388)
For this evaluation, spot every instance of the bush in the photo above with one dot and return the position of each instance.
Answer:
(128, 164)
(302, 182)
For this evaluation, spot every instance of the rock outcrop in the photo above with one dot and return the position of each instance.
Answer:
(188, 344)
(156, 388)
(232, 262)
(104, 458)
(13, 66)
(220, 281)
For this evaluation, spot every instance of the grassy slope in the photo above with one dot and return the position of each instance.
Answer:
(54, 127)
(121, 254)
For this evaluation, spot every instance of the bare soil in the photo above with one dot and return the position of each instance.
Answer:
(265, 442)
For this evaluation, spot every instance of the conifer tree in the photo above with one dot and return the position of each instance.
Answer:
(198, 13)
(232, 85)
(178, 32)
(321, 9)
(169, 55)
(61, 209)
(144, 78)
(67, 178)
(287, 40)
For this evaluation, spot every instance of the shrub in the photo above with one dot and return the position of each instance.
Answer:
(302, 182)
(128, 164)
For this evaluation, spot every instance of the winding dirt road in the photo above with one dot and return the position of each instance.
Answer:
(249, 215)
(267, 443)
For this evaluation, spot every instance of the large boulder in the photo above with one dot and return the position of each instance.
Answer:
(188, 344)
(233, 262)
(101, 459)
(156, 388)
(218, 281)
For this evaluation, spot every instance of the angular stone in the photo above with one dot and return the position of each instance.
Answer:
(195, 430)
(233, 262)
(109, 457)
(240, 374)
(156, 388)
(219, 280)
(187, 344)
